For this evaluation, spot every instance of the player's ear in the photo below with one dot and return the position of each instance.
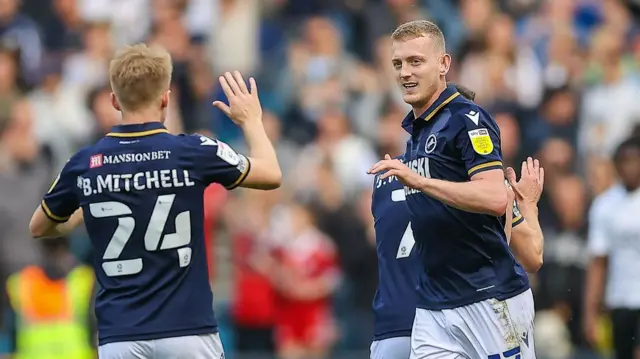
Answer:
(114, 102)
(445, 64)
(165, 99)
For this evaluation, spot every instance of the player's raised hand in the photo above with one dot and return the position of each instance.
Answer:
(392, 167)
(529, 188)
(244, 106)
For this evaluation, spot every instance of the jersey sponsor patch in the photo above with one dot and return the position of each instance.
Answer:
(95, 161)
(227, 154)
(481, 141)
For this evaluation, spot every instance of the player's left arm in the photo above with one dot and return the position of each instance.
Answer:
(59, 213)
(527, 239)
(511, 211)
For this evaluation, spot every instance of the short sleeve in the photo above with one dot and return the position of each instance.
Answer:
(217, 162)
(478, 141)
(61, 200)
(598, 243)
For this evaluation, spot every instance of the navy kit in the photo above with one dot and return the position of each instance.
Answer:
(464, 257)
(141, 191)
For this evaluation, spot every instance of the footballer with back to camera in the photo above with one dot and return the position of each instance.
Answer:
(139, 191)
(474, 298)
(395, 300)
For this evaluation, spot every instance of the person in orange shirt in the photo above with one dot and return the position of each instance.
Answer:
(51, 307)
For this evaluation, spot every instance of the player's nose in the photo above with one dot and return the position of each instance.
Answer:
(405, 71)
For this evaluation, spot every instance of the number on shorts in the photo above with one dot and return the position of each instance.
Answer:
(113, 266)
(511, 353)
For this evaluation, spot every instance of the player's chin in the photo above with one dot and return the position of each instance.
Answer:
(412, 98)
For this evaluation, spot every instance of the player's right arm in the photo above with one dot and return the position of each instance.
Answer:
(244, 109)
(59, 213)
(477, 138)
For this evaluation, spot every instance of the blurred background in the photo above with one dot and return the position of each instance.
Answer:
(561, 77)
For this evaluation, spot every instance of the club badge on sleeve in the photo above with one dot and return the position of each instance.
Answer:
(481, 141)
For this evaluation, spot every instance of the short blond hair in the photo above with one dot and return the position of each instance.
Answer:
(419, 28)
(139, 74)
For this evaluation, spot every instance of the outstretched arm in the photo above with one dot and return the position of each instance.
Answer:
(245, 110)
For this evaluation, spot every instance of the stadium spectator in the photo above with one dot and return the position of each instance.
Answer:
(20, 32)
(303, 269)
(613, 247)
(50, 313)
(24, 170)
(253, 307)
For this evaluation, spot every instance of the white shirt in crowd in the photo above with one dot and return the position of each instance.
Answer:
(614, 232)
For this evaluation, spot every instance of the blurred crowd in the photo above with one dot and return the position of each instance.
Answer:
(560, 77)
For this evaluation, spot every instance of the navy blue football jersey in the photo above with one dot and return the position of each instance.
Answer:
(394, 304)
(465, 257)
(141, 191)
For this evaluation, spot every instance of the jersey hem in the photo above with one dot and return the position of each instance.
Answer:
(394, 334)
(468, 301)
(159, 335)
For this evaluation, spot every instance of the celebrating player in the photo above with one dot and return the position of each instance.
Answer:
(395, 300)
(141, 192)
(474, 297)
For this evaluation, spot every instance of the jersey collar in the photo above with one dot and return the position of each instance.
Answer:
(137, 130)
(445, 97)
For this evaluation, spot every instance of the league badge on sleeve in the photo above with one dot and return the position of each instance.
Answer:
(227, 154)
(481, 141)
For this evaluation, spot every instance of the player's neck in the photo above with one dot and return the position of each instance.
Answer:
(420, 109)
(141, 117)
